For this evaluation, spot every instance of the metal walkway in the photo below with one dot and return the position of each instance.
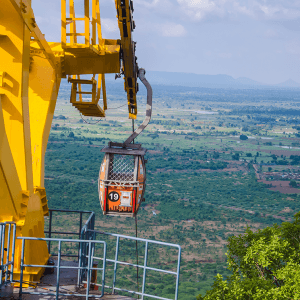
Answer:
(82, 272)
(68, 285)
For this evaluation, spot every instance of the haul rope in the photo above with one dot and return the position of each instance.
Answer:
(136, 242)
(137, 257)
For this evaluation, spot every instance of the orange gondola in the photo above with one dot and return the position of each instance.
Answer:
(122, 179)
(122, 176)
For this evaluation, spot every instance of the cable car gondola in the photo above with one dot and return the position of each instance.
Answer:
(122, 175)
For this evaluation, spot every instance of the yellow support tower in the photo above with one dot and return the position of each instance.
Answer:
(28, 91)
(30, 73)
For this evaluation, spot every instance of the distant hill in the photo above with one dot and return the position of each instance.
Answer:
(206, 81)
(289, 83)
(195, 80)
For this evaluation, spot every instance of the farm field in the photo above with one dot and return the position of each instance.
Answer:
(218, 160)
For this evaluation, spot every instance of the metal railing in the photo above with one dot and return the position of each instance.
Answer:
(87, 248)
(88, 268)
(7, 250)
(89, 224)
(144, 266)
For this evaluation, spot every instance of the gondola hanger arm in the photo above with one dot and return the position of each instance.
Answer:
(147, 119)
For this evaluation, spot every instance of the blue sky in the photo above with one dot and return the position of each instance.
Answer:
(258, 39)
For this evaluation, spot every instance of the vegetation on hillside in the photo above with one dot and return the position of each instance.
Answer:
(204, 183)
(264, 265)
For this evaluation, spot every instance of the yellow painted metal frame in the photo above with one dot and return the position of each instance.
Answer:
(29, 87)
(30, 73)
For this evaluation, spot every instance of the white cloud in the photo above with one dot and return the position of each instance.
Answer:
(171, 30)
(197, 9)
(274, 9)
(161, 4)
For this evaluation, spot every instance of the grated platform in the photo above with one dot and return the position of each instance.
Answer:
(68, 280)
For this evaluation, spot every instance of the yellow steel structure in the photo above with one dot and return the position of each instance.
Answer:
(30, 73)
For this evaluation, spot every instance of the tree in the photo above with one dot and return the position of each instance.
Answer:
(216, 155)
(293, 184)
(264, 265)
(274, 157)
(236, 156)
(71, 134)
(243, 137)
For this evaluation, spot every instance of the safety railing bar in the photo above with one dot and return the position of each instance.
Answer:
(58, 269)
(92, 258)
(144, 272)
(80, 223)
(139, 266)
(97, 258)
(13, 253)
(22, 268)
(6, 265)
(142, 267)
(60, 294)
(2, 240)
(128, 291)
(57, 240)
(86, 223)
(88, 271)
(79, 262)
(50, 227)
(99, 284)
(137, 239)
(106, 286)
(115, 265)
(157, 297)
(123, 290)
(178, 273)
(61, 267)
(61, 232)
(83, 236)
(104, 268)
(139, 293)
(66, 255)
(79, 232)
(72, 211)
(7, 223)
(7, 250)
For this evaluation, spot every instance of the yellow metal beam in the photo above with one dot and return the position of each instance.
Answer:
(87, 23)
(25, 11)
(73, 37)
(43, 90)
(63, 23)
(94, 21)
(25, 109)
(12, 209)
(91, 65)
(99, 30)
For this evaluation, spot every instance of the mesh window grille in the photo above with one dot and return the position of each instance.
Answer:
(121, 168)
